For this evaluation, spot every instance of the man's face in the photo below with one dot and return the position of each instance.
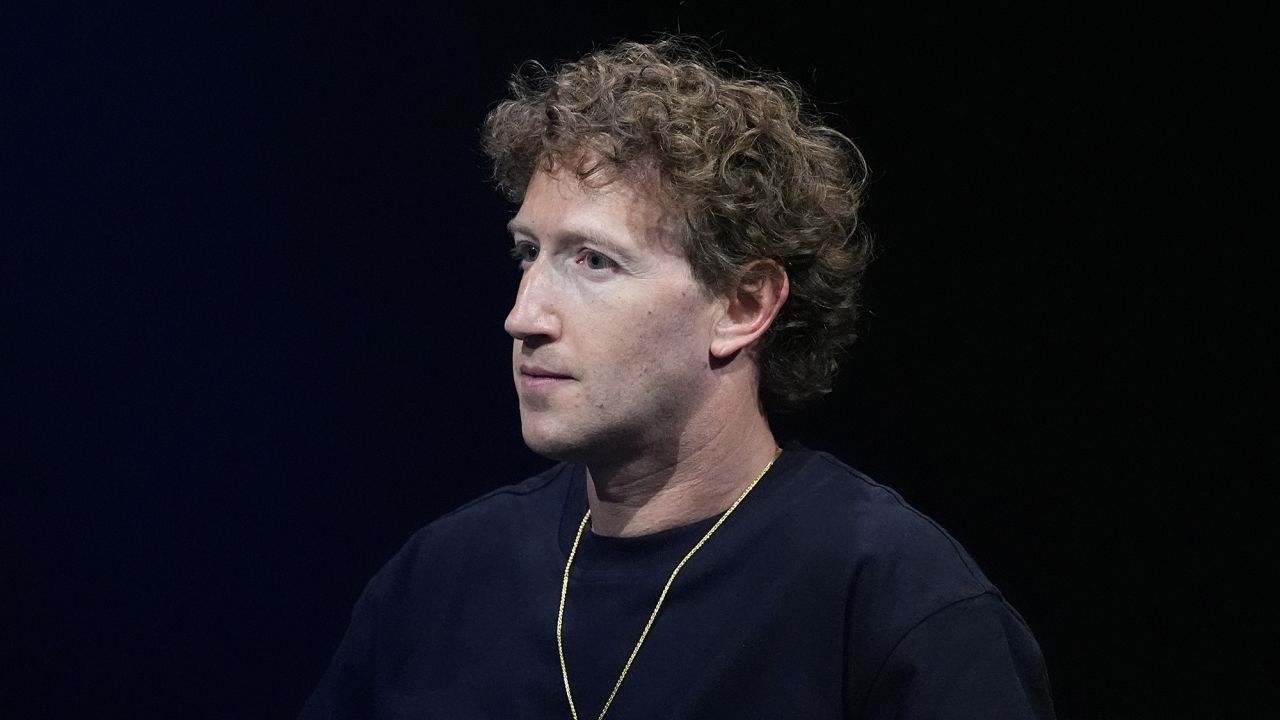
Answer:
(611, 329)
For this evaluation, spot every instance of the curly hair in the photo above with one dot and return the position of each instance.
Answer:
(745, 158)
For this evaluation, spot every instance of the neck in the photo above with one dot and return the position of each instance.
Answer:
(690, 479)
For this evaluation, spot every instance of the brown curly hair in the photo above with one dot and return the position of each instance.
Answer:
(741, 153)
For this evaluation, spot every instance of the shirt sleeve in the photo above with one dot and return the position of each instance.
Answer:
(974, 658)
(346, 689)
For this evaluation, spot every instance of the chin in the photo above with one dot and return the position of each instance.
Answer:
(562, 443)
(553, 444)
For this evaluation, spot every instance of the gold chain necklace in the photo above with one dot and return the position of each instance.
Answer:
(564, 591)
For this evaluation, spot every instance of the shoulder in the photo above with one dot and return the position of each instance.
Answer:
(899, 566)
(490, 525)
(885, 538)
(913, 593)
(540, 494)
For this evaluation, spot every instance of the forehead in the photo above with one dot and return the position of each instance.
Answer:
(558, 203)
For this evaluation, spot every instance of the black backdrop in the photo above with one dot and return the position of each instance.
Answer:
(254, 280)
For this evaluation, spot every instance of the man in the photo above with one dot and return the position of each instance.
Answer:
(691, 256)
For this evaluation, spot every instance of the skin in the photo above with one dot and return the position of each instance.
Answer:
(624, 362)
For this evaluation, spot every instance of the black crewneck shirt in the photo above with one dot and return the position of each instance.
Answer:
(824, 595)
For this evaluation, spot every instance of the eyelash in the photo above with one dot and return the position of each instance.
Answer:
(584, 254)
(520, 254)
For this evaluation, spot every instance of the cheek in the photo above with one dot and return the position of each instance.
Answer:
(670, 339)
(645, 333)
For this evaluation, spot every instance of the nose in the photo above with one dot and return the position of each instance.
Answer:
(533, 317)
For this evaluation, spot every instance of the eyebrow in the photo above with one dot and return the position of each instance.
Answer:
(585, 234)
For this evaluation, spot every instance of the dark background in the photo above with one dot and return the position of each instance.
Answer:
(253, 282)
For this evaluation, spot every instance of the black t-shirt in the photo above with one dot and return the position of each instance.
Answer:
(824, 595)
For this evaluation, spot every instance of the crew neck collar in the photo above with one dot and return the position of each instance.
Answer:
(606, 556)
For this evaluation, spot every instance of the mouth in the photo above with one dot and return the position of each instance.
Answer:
(533, 377)
(533, 371)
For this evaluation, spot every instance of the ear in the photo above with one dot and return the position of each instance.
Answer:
(750, 307)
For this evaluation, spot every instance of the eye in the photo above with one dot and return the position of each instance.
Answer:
(594, 260)
(524, 253)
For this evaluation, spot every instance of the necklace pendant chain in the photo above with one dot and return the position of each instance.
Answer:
(564, 592)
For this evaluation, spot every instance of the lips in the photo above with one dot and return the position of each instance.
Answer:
(535, 372)
(535, 381)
